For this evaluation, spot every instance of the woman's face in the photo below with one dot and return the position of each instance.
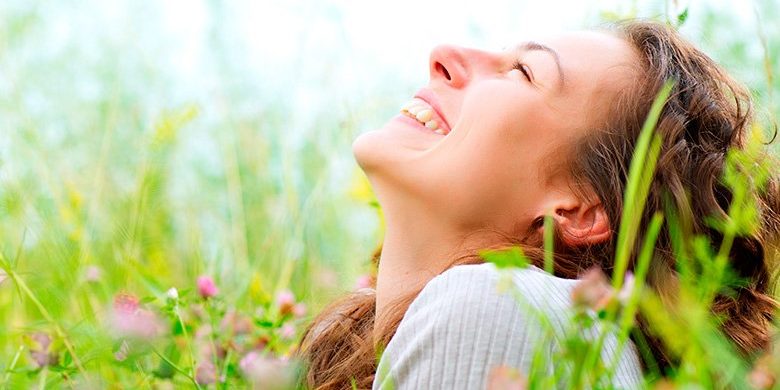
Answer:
(490, 126)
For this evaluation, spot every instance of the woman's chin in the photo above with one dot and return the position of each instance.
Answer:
(398, 140)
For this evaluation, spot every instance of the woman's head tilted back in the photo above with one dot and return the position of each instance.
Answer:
(501, 139)
(511, 120)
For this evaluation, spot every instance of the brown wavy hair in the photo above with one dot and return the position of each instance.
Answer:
(706, 115)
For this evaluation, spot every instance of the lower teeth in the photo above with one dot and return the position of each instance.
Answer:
(431, 124)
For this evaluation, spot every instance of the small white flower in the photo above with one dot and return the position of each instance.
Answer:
(172, 293)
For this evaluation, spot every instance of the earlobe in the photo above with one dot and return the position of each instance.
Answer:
(585, 224)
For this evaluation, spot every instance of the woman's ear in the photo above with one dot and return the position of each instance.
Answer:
(585, 223)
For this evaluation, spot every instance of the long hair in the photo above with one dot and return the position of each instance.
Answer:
(706, 115)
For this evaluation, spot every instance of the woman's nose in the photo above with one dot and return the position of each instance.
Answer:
(456, 66)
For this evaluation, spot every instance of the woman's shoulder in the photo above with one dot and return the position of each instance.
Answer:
(460, 326)
(480, 284)
(489, 271)
(529, 277)
(476, 304)
(473, 318)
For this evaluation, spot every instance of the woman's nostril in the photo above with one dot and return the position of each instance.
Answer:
(442, 69)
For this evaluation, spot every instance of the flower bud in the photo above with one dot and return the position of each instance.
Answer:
(206, 287)
(285, 301)
(172, 294)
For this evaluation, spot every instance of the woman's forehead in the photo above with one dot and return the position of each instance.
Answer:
(591, 55)
(597, 66)
(593, 62)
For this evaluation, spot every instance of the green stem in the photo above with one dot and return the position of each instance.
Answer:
(177, 368)
(632, 306)
(640, 175)
(212, 339)
(20, 283)
(189, 344)
(42, 378)
(12, 365)
(223, 376)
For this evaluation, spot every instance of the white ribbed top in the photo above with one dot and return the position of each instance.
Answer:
(462, 325)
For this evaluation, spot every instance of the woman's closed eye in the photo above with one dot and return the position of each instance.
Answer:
(524, 69)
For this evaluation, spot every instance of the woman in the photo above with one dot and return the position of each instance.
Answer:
(496, 142)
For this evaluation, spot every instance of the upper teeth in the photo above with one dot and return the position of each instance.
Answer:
(423, 113)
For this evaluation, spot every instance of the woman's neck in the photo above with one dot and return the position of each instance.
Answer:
(416, 248)
(406, 264)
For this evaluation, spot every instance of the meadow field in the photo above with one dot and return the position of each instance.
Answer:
(178, 196)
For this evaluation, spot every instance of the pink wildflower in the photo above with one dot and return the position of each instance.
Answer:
(129, 320)
(762, 375)
(299, 310)
(249, 359)
(761, 379)
(285, 301)
(126, 303)
(42, 340)
(206, 287)
(205, 373)
(593, 291)
(235, 323)
(268, 372)
(92, 273)
(40, 351)
(363, 281)
(287, 332)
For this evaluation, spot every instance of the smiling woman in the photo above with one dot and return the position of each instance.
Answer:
(494, 144)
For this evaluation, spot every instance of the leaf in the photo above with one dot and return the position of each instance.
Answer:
(640, 177)
(505, 258)
(682, 17)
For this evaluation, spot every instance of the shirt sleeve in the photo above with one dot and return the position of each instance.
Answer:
(458, 329)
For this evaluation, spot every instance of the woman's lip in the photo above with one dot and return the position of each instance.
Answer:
(429, 97)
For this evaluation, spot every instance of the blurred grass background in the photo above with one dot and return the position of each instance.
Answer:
(144, 143)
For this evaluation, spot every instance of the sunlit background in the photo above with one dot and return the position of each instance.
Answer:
(155, 141)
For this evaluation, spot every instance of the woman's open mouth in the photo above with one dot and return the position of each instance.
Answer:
(424, 114)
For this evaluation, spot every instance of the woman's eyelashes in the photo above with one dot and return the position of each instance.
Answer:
(524, 69)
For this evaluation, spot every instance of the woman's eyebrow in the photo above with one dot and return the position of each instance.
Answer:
(531, 45)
